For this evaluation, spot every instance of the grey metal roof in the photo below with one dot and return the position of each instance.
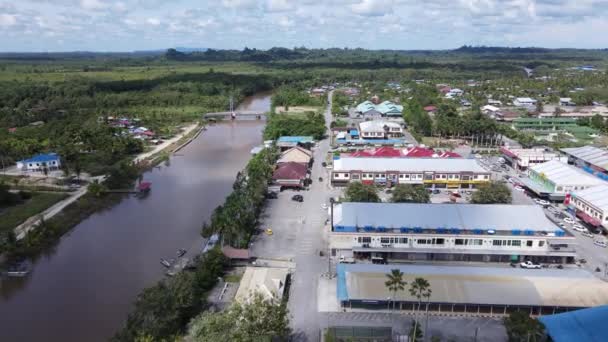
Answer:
(478, 285)
(590, 154)
(431, 216)
(564, 174)
(596, 196)
(408, 164)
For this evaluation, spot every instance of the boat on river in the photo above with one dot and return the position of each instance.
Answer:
(165, 263)
(181, 252)
(18, 269)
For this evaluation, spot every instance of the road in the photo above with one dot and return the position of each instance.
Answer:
(299, 236)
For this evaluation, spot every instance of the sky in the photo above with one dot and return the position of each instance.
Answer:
(128, 25)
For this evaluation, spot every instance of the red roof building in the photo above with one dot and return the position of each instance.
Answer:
(430, 108)
(414, 152)
(290, 174)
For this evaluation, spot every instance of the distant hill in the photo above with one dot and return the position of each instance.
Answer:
(188, 49)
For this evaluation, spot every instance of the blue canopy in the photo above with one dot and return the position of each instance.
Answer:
(478, 231)
(529, 232)
(516, 231)
(580, 325)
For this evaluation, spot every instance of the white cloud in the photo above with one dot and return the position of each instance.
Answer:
(92, 4)
(240, 4)
(285, 22)
(373, 7)
(280, 5)
(153, 21)
(7, 20)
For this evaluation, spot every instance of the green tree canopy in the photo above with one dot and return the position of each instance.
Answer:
(409, 193)
(521, 327)
(359, 192)
(257, 320)
(492, 193)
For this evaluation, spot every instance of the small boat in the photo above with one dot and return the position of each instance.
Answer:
(144, 187)
(19, 269)
(181, 252)
(165, 263)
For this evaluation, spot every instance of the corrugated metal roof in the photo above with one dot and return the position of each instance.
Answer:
(588, 325)
(377, 125)
(432, 216)
(478, 285)
(564, 174)
(596, 196)
(42, 158)
(408, 165)
(590, 154)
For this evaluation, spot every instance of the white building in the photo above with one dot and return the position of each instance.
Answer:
(566, 101)
(522, 158)
(493, 102)
(591, 205)
(453, 173)
(446, 232)
(524, 102)
(490, 110)
(555, 179)
(380, 129)
(40, 162)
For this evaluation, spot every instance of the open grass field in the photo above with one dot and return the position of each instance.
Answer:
(13, 216)
(59, 72)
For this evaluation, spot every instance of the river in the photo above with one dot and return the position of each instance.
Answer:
(84, 288)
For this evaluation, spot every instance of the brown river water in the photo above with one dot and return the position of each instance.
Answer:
(84, 288)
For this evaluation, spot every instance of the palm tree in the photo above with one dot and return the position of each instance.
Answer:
(420, 288)
(395, 283)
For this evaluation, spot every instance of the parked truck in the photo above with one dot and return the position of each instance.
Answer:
(530, 265)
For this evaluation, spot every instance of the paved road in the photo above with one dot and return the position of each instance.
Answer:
(298, 235)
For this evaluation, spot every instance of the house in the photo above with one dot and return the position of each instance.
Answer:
(430, 109)
(287, 142)
(296, 155)
(522, 158)
(266, 281)
(448, 232)
(554, 180)
(506, 115)
(493, 102)
(591, 205)
(291, 175)
(40, 162)
(435, 173)
(566, 101)
(524, 102)
(236, 254)
(380, 129)
(386, 108)
(490, 110)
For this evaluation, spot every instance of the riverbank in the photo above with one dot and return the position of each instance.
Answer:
(81, 204)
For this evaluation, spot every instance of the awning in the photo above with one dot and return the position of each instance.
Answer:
(588, 219)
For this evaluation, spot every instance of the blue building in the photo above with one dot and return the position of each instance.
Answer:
(586, 325)
(40, 162)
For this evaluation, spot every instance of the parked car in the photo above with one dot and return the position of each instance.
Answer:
(569, 220)
(579, 228)
(346, 260)
(529, 265)
(436, 192)
(297, 198)
(600, 243)
(587, 234)
(272, 195)
(544, 202)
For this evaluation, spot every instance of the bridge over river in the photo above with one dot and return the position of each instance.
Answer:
(239, 114)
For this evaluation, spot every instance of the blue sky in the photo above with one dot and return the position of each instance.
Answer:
(126, 25)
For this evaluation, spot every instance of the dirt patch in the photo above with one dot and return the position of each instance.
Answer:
(295, 109)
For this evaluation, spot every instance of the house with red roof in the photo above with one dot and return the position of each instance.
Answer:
(414, 152)
(430, 109)
(290, 174)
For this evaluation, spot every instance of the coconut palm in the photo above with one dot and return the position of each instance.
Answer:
(420, 288)
(395, 283)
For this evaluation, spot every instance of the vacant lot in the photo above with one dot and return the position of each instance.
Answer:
(295, 109)
(13, 216)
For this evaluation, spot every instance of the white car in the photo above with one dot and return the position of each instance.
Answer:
(587, 234)
(569, 220)
(579, 228)
(552, 210)
(600, 243)
(519, 188)
(543, 202)
(529, 265)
